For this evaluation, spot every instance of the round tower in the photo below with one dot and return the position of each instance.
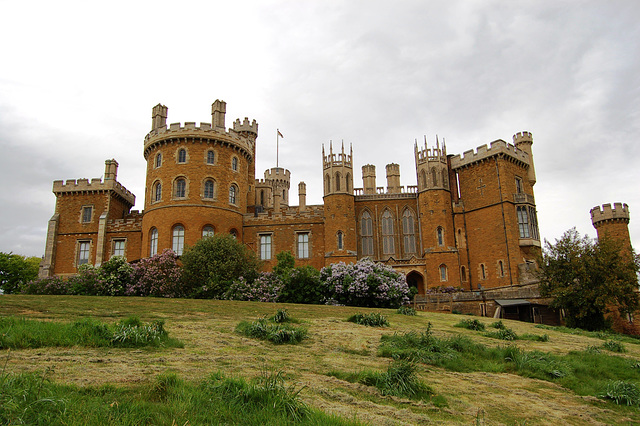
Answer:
(612, 222)
(339, 207)
(279, 181)
(369, 179)
(198, 179)
(524, 141)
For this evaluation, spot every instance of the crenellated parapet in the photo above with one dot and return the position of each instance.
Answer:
(607, 214)
(427, 155)
(96, 185)
(246, 126)
(131, 223)
(498, 148)
(336, 160)
(286, 215)
(278, 174)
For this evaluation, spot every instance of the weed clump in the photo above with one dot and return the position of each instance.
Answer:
(406, 310)
(503, 334)
(471, 324)
(622, 392)
(375, 319)
(276, 333)
(614, 346)
(281, 316)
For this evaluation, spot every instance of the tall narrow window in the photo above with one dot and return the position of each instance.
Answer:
(265, 247)
(523, 222)
(423, 179)
(208, 189)
(483, 271)
(303, 245)
(533, 223)
(86, 214)
(366, 231)
(500, 268)
(388, 246)
(262, 197)
(440, 235)
(153, 242)
(434, 177)
(157, 196)
(445, 178)
(234, 164)
(158, 160)
(347, 185)
(340, 240)
(518, 185)
(178, 239)
(207, 231)
(211, 157)
(182, 156)
(443, 273)
(327, 184)
(337, 181)
(463, 273)
(181, 188)
(83, 252)
(232, 194)
(408, 232)
(118, 248)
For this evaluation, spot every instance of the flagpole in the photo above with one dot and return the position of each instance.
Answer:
(277, 145)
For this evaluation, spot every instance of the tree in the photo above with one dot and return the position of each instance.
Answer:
(589, 278)
(17, 270)
(213, 263)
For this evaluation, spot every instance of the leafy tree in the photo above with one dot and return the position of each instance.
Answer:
(214, 263)
(301, 285)
(588, 278)
(17, 270)
(286, 262)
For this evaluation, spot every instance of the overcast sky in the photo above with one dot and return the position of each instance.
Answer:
(78, 81)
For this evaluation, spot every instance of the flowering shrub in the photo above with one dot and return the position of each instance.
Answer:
(265, 288)
(115, 276)
(443, 289)
(364, 283)
(49, 285)
(86, 282)
(158, 276)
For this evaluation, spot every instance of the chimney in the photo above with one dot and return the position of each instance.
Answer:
(110, 170)
(218, 110)
(302, 196)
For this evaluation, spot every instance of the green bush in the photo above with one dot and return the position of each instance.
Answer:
(613, 346)
(503, 334)
(471, 324)
(281, 316)
(406, 310)
(499, 325)
(375, 319)
(276, 333)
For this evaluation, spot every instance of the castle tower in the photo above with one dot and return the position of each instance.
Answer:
(110, 170)
(198, 180)
(393, 178)
(612, 223)
(339, 207)
(279, 182)
(524, 141)
(369, 179)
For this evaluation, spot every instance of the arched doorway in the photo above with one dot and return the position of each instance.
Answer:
(416, 280)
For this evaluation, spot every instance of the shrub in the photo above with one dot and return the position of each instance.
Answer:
(265, 288)
(49, 285)
(471, 324)
(406, 310)
(115, 276)
(86, 282)
(281, 316)
(613, 346)
(503, 334)
(132, 333)
(276, 333)
(499, 325)
(300, 285)
(375, 319)
(158, 276)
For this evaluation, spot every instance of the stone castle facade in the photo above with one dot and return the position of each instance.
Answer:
(470, 221)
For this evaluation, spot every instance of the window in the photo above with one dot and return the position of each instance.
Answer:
(86, 214)
(182, 156)
(303, 245)
(262, 197)
(233, 190)
(440, 234)
(327, 184)
(434, 177)
(157, 192)
(463, 273)
(158, 160)
(207, 231)
(153, 242)
(181, 188)
(346, 183)
(234, 234)
(340, 240)
(118, 248)
(208, 188)
(337, 181)
(83, 252)
(533, 223)
(483, 271)
(388, 246)
(518, 185)
(265, 247)
(423, 179)
(408, 231)
(234, 164)
(366, 231)
(445, 178)
(443, 273)
(523, 222)
(500, 268)
(178, 239)
(211, 157)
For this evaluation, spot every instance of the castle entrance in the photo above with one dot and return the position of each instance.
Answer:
(416, 280)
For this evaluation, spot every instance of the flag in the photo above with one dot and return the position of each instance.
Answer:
(280, 134)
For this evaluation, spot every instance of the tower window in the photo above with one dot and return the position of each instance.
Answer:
(440, 235)
(523, 222)
(463, 273)
(327, 184)
(340, 240)
(86, 214)
(208, 189)
(500, 268)
(234, 164)
(366, 232)
(388, 246)
(265, 247)
(181, 188)
(83, 252)
(303, 245)
(207, 231)
(182, 156)
(337, 181)
(158, 160)
(211, 157)
(518, 185)
(483, 271)
(153, 242)
(157, 192)
(443, 273)
(178, 239)
(233, 194)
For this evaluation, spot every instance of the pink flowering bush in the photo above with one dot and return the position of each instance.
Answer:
(49, 285)
(364, 283)
(158, 276)
(265, 288)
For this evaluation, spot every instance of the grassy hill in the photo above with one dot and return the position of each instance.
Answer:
(211, 344)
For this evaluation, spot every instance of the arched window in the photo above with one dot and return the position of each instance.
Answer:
(209, 189)
(423, 179)
(233, 194)
(207, 231)
(340, 240)
(157, 192)
(337, 181)
(327, 184)
(434, 177)
(182, 156)
(211, 157)
(366, 232)
(234, 164)
(233, 233)
(408, 232)
(159, 160)
(346, 184)
(178, 239)
(388, 246)
(440, 235)
(180, 188)
(153, 242)
(443, 273)
(463, 273)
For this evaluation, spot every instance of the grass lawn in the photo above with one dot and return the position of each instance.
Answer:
(212, 345)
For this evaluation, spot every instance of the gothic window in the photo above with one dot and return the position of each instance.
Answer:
(207, 231)
(340, 240)
(443, 273)
(234, 164)
(327, 184)
(366, 231)
(463, 273)
(533, 223)
(423, 179)
(211, 157)
(182, 156)
(434, 177)
(523, 222)
(86, 214)
(303, 245)
(157, 192)
(518, 185)
(118, 247)
(178, 239)
(153, 242)
(83, 252)
(440, 235)
(158, 160)
(180, 188)
(337, 181)
(388, 246)
(209, 189)
(265, 247)
(408, 232)
(233, 194)
(346, 184)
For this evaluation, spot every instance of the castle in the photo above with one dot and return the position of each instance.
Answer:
(470, 221)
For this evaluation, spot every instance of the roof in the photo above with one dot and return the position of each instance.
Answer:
(512, 302)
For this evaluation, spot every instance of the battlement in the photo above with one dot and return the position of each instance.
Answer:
(74, 186)
(431, 154)
(522, 137)
(337, 160)
(277, 173)
(245, 126)
(270, 217)
(619, 212)
(483, 152)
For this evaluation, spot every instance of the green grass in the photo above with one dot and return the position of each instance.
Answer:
(274, 332)
(22, 333)
(374, 319)
(603, 334)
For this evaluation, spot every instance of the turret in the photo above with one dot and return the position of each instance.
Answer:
(302, 197)
(523, 141)
(246, 128)
(218, 111)
(612, 222)
(432, 167)
(159, 117)
(393, 178)
(337, 171)
(369, 179)
(110, 170)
